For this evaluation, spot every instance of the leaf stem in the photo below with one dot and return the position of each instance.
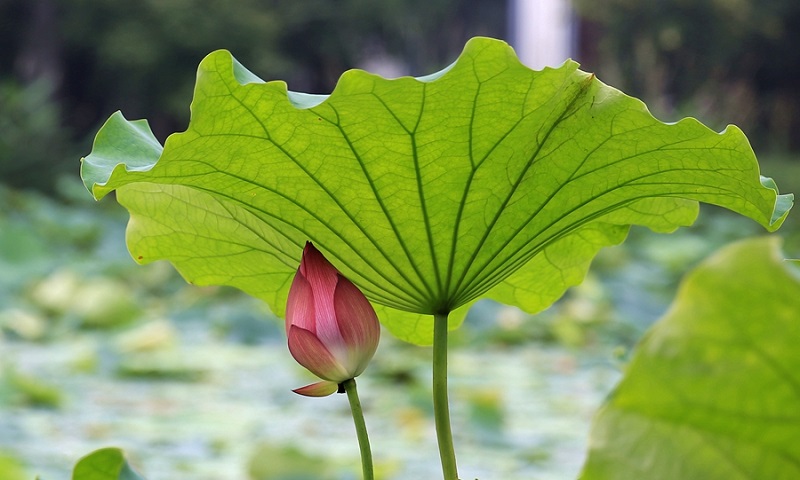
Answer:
(361, 428)
(441, 407)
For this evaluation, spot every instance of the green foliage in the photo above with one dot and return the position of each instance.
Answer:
(102, 55)
(713, 390)
(117, 47)
(21, 389)
(728, 61)
(486, 178)
(32, 139)
(104, 464)
(12, 468)
(274, 462)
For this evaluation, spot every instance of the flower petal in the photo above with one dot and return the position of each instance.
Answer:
(319, 389)
(309, 352)
(358, 325)
(300, 305)
(322, 277)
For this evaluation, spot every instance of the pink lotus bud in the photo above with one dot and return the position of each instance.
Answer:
(332, 328)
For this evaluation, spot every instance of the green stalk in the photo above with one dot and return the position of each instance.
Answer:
(361, 428)
(441, 406)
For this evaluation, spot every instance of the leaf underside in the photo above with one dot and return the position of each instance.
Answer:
(713, 390)
(486, 179)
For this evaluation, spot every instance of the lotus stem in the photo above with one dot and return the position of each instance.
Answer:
(361, 428)
(441, 406)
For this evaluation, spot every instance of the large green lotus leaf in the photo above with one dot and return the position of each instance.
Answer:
(713, 390)
(104, 464)
(427, 193)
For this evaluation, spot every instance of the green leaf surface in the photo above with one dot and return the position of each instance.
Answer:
(428, 193)
(104, 464)
(12, 468)
(713, 390)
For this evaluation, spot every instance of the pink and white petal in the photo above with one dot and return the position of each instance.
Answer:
(322, 276)
(358, 324)
(300, 305)
(319, 389)
(317, 269)
(309, 352)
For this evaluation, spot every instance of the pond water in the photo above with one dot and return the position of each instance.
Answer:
(222, 410)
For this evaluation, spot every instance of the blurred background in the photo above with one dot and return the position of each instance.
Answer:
(194, 383)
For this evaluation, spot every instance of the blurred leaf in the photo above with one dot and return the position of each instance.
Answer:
(172, 364)
(105, 303)
(12, 468)
(56, 293)
(713, 390)
(152, 336)
(19, 245)
(104, 464)
(29, 390)
(486, 413)
(279, 462)
(24, 324)
(486, 178)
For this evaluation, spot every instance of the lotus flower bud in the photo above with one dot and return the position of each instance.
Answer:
(332, 328)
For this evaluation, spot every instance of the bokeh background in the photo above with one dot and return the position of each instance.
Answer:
(194, 383)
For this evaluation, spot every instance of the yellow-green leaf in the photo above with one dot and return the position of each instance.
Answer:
(427, 192)
(104, 464)
(713, 390)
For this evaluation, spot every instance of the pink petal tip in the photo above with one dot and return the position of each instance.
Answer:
(319, 389)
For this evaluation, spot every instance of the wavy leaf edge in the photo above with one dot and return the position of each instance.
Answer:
(100, 168)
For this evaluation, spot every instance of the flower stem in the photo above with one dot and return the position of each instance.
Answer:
(361, 428)
(441, 407)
